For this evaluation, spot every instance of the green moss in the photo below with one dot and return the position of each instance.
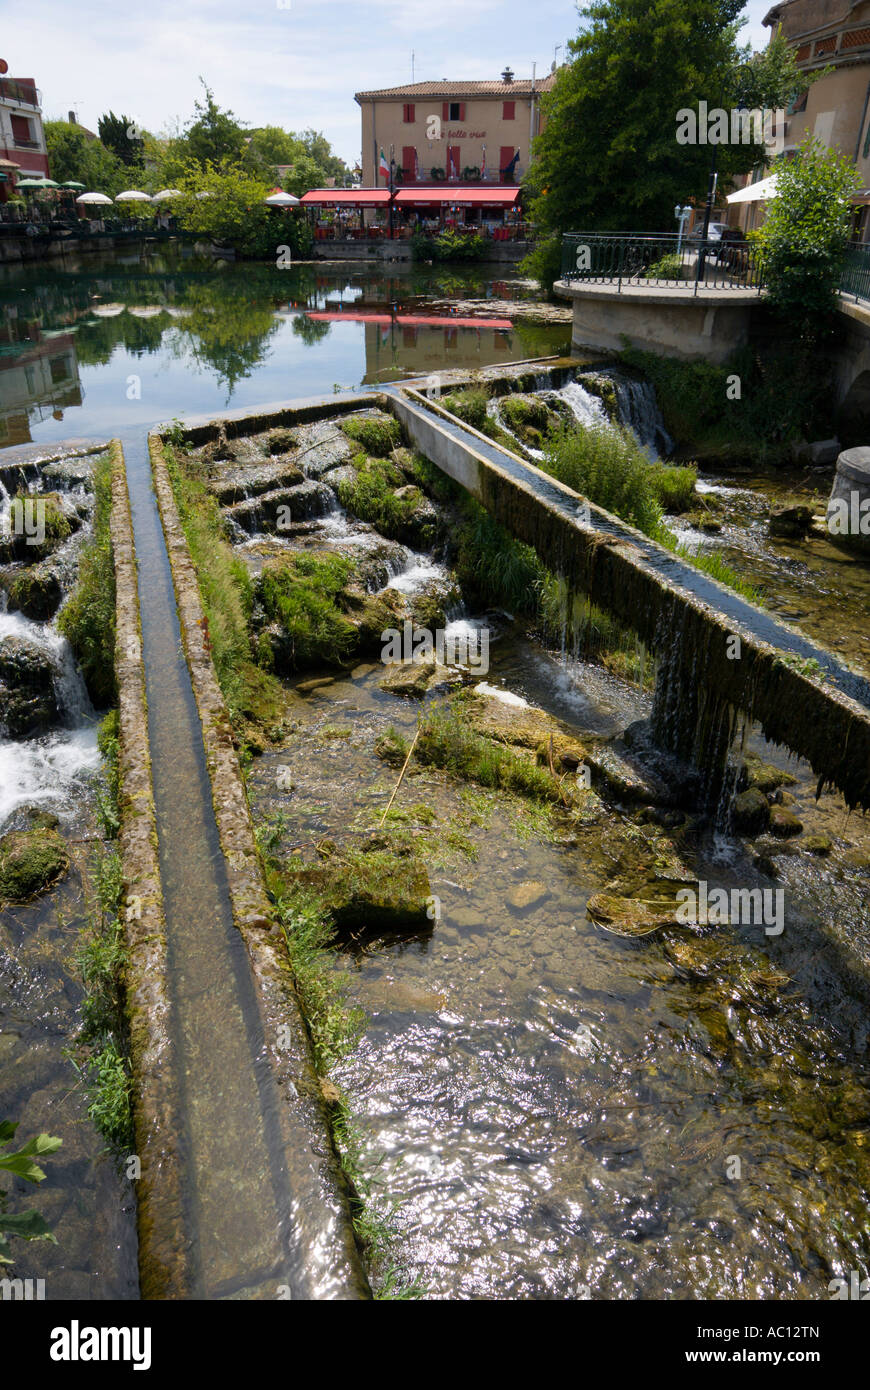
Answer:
(303, 594)
(446, 740)
(377, 435)
(36, 593)
(528, 417)
(468, 405)
(31, 861)
(87, 620)
(378, 494)
(373, 889)
(226, 592)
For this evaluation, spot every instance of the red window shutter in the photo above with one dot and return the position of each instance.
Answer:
(445, 111)
(408, 113)
(411, 113)
(509, 111)
(462, 111)
(408, 163)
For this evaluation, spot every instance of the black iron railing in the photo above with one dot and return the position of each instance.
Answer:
(628, 258)
(855, 279)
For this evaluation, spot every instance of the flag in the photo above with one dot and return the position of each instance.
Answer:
(383, 167)
(483, 165)
(416, 166)
(452, 170)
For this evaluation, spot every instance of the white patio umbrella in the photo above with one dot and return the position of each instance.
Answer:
(281, 200)
(167, 193)
(108, 311)
(133, 196)
(145, 311)
(93, 198)
(755, 192)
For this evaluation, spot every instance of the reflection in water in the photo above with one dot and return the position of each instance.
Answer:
(123, 342)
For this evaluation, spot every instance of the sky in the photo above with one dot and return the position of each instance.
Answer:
(292, 63)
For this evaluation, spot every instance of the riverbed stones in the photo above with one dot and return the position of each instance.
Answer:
(751, 812)
(784, 823)
(28, 703)
(31, 861)
(790, 523)
(526, 896)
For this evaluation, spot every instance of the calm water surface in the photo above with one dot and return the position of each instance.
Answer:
(110, 344)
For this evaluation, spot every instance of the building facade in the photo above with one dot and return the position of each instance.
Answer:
(451, 131)
(23, 151)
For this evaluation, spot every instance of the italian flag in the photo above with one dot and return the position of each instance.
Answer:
(383, 167)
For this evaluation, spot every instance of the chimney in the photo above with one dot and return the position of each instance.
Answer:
(72, 118)
(507, 75)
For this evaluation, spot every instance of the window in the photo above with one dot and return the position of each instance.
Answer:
(408, 113)
(508, 110)
(457, 111)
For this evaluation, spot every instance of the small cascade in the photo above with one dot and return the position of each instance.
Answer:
(689, 721)
(638, 409)
(584, 405)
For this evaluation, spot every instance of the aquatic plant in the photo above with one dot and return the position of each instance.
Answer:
(21, 1163)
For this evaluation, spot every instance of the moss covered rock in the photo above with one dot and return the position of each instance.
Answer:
(784, 823)
(378, 434)
(30, 862)
(369, 888)
(28, 704)
(529, 418)
(751, 812)
(36, 592)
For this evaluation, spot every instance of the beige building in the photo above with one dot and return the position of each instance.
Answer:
(836, 108)
(451, 132)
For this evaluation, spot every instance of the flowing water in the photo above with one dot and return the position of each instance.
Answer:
(85, 1198)
(557, 1111)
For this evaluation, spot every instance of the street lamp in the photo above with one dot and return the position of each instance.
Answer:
(682, 214)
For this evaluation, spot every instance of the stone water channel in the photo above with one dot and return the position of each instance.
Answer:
(554, 1109)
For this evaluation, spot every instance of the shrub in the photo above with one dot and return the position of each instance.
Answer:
(668, 267)
(607, 465)
(468, 405)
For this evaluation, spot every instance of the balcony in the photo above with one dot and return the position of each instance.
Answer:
(434, 176)
(20, 92)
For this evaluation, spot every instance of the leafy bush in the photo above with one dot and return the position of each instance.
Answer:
(673, 486)
(448, 246)
(669, 267)
(805, 234)
(607, 465)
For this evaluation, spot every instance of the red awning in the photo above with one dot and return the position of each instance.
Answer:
(463, 197)
(346, 197)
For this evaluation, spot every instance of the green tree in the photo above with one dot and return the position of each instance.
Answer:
(74, 155)
(608, 158)
(805, 235)
(316, 145)
(113, 131)
(232, 210)
(214, 134)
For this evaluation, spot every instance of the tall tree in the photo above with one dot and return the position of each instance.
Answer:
(214, 134)
(120, 135)
(609, 158)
